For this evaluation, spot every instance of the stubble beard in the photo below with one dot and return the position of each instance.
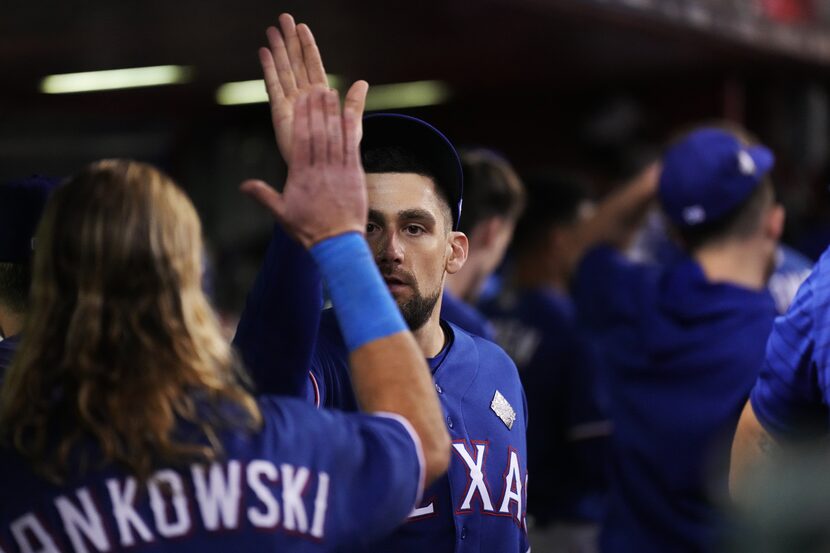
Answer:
(417, 309)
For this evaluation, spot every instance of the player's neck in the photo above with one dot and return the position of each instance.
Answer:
(735, 263)
(466, 284)
(430, 337)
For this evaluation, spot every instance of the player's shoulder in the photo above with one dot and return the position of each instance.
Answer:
(491, 357)
(814, 294)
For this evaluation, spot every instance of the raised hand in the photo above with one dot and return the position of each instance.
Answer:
(292, 65)
(325, 192)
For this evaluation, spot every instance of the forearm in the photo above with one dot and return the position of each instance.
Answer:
(389, 372)
(751, 445)
(617, 217)
(278, 328)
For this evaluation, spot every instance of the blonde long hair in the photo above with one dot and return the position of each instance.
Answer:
(120, 345)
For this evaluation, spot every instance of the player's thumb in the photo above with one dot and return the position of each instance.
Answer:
(265, 195)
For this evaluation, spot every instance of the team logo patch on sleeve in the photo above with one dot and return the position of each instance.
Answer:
(503, 410)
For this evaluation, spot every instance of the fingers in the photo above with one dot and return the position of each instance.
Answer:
(356, 98)
(352, 129)
(311, 56)
(317, 124)
(301, 149)
(280, 61)
(269, 72)
(334, 127)
(265, 196)
(295, 50)
(355, 103)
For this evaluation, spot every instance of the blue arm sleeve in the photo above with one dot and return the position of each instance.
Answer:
(278, 328)
(374, 464)
(787, 397)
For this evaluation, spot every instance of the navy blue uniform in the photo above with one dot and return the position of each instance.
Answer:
(480, 504)
(790, 398)
(682, 355)
(309, 480)
(7, 349)
(465, 316)
(567, 431)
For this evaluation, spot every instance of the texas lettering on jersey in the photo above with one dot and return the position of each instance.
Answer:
(478, 497)
(219, 497)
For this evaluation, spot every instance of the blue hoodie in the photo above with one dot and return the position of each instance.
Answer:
(682, 354)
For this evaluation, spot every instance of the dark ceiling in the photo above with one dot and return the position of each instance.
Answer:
(472, 45)
(585, 83)
(517, 67)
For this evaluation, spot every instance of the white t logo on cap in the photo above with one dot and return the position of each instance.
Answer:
(694, 214)
(745, 163)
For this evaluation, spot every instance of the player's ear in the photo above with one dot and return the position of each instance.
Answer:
(458, 245)
(775, 221)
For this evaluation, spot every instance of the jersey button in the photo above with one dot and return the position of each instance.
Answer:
(463, 532)
(449, 421)
(438, 389)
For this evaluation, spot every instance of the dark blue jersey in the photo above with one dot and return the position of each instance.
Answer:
(480, 504)
(309, 480)
(682, 355)
(790, 398)
(7, 349)
(465, 316)
(567, 429)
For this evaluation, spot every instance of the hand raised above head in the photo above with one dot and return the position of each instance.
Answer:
(325, 192)
(292, 65)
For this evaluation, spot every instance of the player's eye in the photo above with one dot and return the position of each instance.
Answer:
(414, 230)
(371, 227)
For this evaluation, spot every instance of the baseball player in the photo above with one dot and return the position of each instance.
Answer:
(654, 245)
(125, 422)
(21, 203)
(535, 322)
(414, 191)
(683, 344)
(493, 201)
(789, 400)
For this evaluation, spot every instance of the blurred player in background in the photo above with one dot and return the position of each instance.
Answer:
(415, 187)
(654, 244)
(124, 418)
(682, 344)
(21, 204)
(789, 402)
(535, 322)
(493, 200)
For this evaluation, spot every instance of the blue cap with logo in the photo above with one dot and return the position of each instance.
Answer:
(21, 205)
(708, 175)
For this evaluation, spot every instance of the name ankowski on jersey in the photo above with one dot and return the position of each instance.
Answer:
(219, 497)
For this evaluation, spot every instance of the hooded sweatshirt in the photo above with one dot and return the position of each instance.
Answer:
(682, 355)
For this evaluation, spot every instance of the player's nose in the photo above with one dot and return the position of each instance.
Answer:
(389, 248)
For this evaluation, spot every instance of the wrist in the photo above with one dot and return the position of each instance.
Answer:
(363, 305)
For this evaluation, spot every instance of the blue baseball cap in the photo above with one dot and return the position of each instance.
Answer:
(21, 205)
(708, 174)
(427, 143)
